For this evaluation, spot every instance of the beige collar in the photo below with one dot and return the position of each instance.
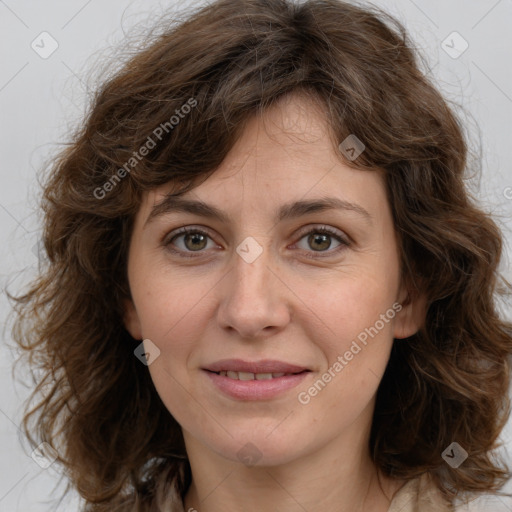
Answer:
(417, 495)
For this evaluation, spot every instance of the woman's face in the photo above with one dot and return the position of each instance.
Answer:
(262, 286)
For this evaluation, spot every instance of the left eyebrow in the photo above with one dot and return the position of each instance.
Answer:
(300, 208)
(287, 211)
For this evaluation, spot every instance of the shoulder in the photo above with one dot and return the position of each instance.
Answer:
(419, 495)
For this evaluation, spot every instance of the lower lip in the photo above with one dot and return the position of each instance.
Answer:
(255, 389)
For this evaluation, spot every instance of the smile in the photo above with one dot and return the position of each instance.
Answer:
(252, 376)
(249, 386)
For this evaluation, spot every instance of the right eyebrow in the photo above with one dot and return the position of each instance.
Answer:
(288, 211)
(172, 204)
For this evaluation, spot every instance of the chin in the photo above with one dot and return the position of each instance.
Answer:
(259, 451)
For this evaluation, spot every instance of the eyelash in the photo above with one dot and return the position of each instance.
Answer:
(344, 243)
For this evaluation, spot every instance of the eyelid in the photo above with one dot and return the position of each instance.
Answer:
(335, 232)
(167, 238)
(342, 238)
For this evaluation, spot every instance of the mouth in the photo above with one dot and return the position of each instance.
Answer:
(247, 369)
(254, 376)
(261, 380)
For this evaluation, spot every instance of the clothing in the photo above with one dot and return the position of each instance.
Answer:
(417, 495)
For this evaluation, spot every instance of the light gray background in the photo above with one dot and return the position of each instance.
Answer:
(41, 98)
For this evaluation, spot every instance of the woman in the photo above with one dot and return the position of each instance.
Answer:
(268, 287)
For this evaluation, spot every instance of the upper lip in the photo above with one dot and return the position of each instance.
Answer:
(263, 366)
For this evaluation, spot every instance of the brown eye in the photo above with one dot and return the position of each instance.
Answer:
(190, 240)
(319, 240)
(194, 241)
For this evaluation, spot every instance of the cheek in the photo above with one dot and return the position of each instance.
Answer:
(354, 328)
(175, 322)
(176, 390)
(347, 305)
(169, 304)
(355, 352)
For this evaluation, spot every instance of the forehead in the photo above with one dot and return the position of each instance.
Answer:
(285, 155)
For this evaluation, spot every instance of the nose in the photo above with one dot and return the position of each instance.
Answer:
(254, 299)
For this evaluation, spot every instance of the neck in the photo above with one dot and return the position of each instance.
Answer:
(321, 481)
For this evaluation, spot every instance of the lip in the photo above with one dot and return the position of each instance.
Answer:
(263, 366)
(255, 389)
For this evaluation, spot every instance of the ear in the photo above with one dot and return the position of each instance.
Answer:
(131, 319)
(410, 319)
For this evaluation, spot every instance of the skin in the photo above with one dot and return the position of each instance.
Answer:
(283, 305)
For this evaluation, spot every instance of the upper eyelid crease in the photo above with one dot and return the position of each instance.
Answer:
(320, 228)
(328, 230)
(288, 211)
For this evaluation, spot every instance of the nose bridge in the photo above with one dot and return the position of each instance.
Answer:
(251, 266)
(252, 300)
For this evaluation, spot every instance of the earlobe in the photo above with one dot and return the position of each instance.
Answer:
(131, 320)
(410, 319)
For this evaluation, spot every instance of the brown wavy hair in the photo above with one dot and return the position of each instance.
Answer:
(95, 402)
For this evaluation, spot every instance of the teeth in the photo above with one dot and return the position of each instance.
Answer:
(250, 376)
(263, 376)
